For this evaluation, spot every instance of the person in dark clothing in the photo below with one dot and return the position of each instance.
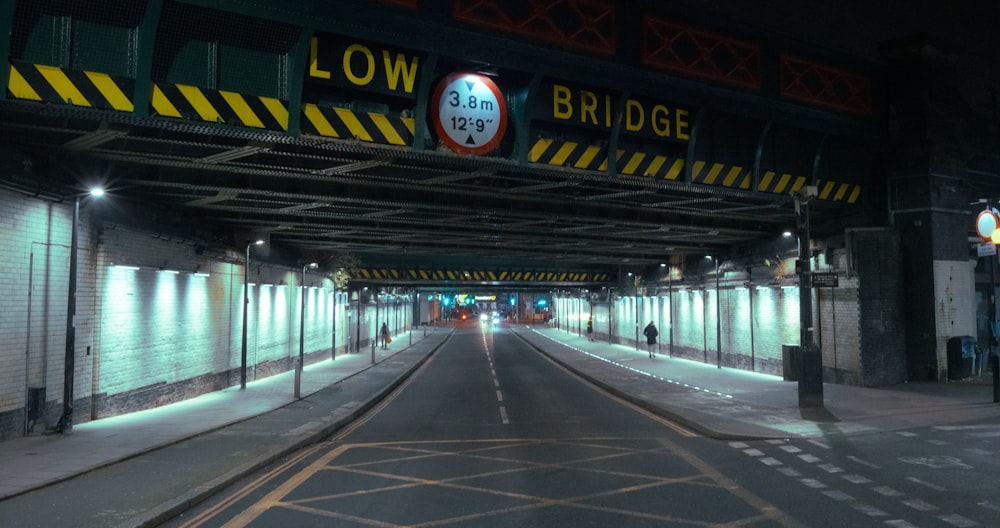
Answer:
(650, 333)
(590, 329)
(383, 335)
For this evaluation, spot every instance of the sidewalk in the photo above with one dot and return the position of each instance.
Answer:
(156, 463)
(730, 403)
(262, 410)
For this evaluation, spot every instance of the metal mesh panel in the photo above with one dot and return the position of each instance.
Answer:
(221, 50)
(98, 35)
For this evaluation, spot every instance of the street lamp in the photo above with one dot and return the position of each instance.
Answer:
(65, 424)
(718, 314)
(246, 302)
(302, 330)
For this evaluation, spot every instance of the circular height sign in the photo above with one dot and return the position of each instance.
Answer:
(470, 115)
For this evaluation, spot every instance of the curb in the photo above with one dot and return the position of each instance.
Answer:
(684, 419)
(170, 509)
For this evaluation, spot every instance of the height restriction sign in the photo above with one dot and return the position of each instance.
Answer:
(469, 112)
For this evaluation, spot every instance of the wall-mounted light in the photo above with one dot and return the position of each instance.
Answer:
(169, 271)
(126, 267)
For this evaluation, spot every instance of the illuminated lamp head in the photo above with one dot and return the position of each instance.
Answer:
(986, 223)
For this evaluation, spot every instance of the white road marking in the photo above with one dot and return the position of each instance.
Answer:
(920, 505)
(886, 491)
(812, 483)
(838, 495)
(503, 415)
(857, 479)
(864, 462)
(934, 487)
(937, 462)
(869, 510)
(958, 520)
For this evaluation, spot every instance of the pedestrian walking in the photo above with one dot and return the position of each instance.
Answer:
(590, 329)
(383, 335)
(650, 333)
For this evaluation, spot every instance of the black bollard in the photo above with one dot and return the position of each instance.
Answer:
(994, 364)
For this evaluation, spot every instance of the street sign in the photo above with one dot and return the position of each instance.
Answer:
(986, 249)
(470, 114)
(825, 280)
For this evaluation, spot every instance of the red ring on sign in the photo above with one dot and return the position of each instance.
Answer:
(986, 223)
(443, 136)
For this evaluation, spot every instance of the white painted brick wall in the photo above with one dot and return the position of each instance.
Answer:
(955, 313)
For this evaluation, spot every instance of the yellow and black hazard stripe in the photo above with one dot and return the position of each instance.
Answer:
(50, 84)
(785, 183)
(657, 166)
(721, 174)
(568, 154)
(839, 192)
(219, 106)
(370, 127)
(379, 274)
(437, 275)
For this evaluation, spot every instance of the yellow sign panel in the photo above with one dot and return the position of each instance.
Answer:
(363, 65)
(562, 103)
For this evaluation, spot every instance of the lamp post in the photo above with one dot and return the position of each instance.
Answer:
(811, 359)
(65, 424)
(246, 303)
(635, 306)
(718, 314)
(302, 331)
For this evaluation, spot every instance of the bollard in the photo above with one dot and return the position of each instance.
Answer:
(995, 367)
(810, 376)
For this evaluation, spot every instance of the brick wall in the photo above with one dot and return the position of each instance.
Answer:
(34, 282)
(884, 356)
(955, 291)
(756, 323)
(145, 337)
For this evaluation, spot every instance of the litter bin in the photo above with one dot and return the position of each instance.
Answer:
(961, 356)
(790, 362)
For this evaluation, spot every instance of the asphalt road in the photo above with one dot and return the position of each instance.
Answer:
(490, 433)
(928, 476)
